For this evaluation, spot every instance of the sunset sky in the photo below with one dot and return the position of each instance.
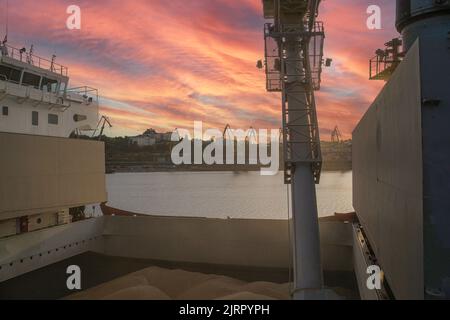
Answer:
(163, 64)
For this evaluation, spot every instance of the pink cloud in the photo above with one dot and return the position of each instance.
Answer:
(172, 62)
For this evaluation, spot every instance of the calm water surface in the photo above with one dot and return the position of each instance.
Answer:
(220, 194)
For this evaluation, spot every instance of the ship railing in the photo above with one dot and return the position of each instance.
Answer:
(32, 59)
(381, 68)
(24, 90)
(6, 80)
(383, 65)
(84, 94)
(88, 93)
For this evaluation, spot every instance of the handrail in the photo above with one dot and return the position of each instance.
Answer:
(378, 65)
(85, 91)
(82, 91)
(34, 60)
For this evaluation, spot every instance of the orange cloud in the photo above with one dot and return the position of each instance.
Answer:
(164, 64)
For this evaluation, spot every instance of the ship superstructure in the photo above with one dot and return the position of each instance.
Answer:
(36, 99)
(44, 175)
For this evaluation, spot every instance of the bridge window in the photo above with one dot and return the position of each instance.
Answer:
(62, 87)
(5, 111)
(52, 118)
(49, 85)
(10, 74)
(30, 79)
(55, 87)
(35, 118)
(79, 117)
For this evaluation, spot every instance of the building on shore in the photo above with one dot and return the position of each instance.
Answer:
(150, 138)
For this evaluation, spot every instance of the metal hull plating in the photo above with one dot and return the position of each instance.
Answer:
(401, 175)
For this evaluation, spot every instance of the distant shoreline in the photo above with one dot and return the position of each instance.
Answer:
(135, 167)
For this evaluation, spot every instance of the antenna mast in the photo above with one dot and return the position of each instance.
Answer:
(7, 22)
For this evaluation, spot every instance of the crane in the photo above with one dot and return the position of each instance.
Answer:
(336, 135)
(251, 135)
(226, 132)
(103, 122)
(177, 132)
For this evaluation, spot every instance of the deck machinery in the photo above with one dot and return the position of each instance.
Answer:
(293, 61)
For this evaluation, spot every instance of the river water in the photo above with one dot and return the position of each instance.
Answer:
(220, 194)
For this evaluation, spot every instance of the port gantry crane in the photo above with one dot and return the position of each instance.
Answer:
(226, 132)
(336, 135)
(293, 63)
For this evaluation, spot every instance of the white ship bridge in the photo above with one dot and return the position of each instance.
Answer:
(35, 97)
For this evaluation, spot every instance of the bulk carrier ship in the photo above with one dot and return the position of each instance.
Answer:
(402, 207)
(46, 176)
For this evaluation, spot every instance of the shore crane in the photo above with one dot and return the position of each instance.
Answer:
(336, 135)
(226, 131)
(102, 122)
(293, 64)
(251, 136)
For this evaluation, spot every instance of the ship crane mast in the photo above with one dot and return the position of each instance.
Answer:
(293, 62)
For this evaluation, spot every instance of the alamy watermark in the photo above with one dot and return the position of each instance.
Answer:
(375, 278)
(73, 22)
(250, 146)
(74, 279)
(374, 20)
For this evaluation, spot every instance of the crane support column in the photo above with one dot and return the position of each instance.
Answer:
(294, 52)
(307, 262)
